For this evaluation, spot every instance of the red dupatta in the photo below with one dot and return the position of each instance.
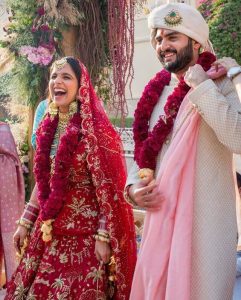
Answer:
(108, 174)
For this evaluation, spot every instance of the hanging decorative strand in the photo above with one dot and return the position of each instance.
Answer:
(121, 47)
(104, 31)
(90, 45)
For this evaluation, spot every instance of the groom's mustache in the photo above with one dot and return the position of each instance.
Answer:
(163, 53)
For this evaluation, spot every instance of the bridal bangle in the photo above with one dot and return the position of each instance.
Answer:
(25, 224)
(101, 238)
(30, 213)
(127, 196)
(102, 235)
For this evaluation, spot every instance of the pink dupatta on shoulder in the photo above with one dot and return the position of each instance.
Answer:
(11, 196)
(163, 268)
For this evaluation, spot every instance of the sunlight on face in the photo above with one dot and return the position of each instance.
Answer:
(63, 87)
(174, 50)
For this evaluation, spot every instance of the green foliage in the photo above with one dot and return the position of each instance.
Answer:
(29, 75)
(28, 82)
(225, 26)
(118, 122)
(24, 13)
(21, 39)
(4, 84)
(29, 79)
(24, 82)
(23, 150)
(205, 8)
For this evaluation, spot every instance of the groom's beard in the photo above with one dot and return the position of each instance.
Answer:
(183, 58)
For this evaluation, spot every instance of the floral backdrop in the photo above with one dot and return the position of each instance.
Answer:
(102, 37)
(223, 17)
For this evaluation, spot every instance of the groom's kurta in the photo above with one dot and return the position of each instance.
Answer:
(214, 225)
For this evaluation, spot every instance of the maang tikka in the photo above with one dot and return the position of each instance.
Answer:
(59, 64)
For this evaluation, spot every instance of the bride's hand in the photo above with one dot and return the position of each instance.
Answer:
(19, 237)
(102, 251)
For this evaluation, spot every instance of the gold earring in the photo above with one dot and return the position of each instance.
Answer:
(73, 107)
(53, 109)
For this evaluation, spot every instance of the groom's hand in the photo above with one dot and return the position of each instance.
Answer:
(195, 75)
(146, 195)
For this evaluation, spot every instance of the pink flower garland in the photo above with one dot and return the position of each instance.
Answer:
(52, 190)
(148, 144)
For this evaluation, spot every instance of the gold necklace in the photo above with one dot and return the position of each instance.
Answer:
(63, 122)
(62, 125)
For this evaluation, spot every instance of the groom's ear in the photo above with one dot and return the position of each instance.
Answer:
(196, 45)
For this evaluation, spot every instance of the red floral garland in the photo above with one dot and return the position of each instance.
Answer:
(52, 189)
(148, 144)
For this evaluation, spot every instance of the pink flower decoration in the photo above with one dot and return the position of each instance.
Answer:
(234, 35)
(33, 29)
(33, 57)
(39, 55)
(40, 11)
(50, 46)
(25, 169)
(44, 27)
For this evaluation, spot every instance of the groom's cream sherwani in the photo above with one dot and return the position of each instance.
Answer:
(214, 227)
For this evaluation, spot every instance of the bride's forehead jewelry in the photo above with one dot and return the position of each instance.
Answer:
(59, 64)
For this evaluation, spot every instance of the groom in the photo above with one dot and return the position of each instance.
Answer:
(186, 129)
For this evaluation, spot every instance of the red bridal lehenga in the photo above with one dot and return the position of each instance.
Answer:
(66, 266)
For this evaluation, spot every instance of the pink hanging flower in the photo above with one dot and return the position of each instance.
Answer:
(234, 35)
(33, 57)
(37, 56)
(44, 27)
(33, 29)
(25, 169)
(50, 46)
(40, 11)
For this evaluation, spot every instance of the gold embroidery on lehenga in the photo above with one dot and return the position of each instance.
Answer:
(58, 283)
(70, 225)
(63, 296)
(46, 268)
(92, 294)
(31, 296)
(63, 258)
(20, 290)
(81, 157)
(30, 263)
(42, 281)
(87, 242)
(52, 249)
(80, 255)
(79, 208)
(95, 274)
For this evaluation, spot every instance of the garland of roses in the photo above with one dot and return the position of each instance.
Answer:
(52, 189)
(148, 144)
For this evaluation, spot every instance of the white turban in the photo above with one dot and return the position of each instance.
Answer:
(182, 18)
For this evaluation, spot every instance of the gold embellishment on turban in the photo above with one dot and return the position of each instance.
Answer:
(173, 18)
(59, 64)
